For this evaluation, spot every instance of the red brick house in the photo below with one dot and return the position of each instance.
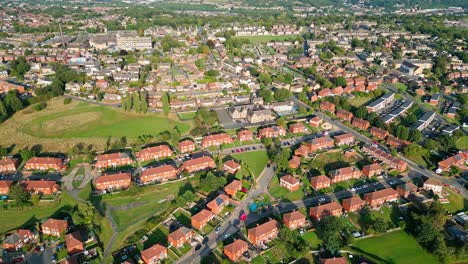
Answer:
(337, 91)
(113, 160)
(154, 254)
(295, 162)
(321, 143)
(201, 219)
(186, 146)
(178, 238)
(360, 123)
(407, 188)
(378, 198)
(353, 204)
(198, 164)
(297, 128)
(18, 240)
(42, 163)
(235, 250)
(217, 204)
(372, 170)
(8, 165)
(344, 139)
(231, 166)
(324, 93)
(263, 233)
(344, 115)
(54, 227)
(294, 220)
(320, 211)
(271, 132)
(153, 153)
(315, 121)
(327, 106)
(387, 158)
(320, 182)
(216, 140)
(5, 187)
(302, 151)
(158, 174)
(379, 133)
(289, 182)
(74, 243)
(41, 187)
(396, 142)
(245, 135)
(334, 260)
(112, 182)
(460, 159)
(344, 174)
(233, 187)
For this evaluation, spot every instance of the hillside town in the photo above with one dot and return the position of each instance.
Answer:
(181, 132)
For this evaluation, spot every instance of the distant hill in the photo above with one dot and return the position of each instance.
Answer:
(412, 3)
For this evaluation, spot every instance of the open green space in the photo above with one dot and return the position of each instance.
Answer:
(462, 143)
(329, 161)
(312, 239)
(283, 193)
(457, 202)
(255, 160)
(187, 115)
(359, 100)
(263, 39)
(13, 218)
(396, 247)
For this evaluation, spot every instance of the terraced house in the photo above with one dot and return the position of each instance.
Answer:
(5, 187)
(18, 239)
(8, 164)
(263, 233)
(217, 204)
(320, 143)
(344, 139)
(201, 219)
(235, 250)
(320, 182)
(44, 163)
(158, 174)
(178, 238)
(245, 135)
(294, 220)
(216, 140)
(153, 153)
(353, 204)
(154, 254)
(320, 211)
(272, 132)
(198, 164)
(112, 182)
(233, 187)
(344, 174)
(41, 187)
(113, 160)
(378, 198)
(186, 146)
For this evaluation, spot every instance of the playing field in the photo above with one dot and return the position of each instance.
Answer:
(396, 247)
(59, 126)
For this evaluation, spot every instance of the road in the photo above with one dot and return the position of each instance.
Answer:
(231, 224)
(411, 164)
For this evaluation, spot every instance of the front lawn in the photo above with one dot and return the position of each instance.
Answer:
(283, 193)
(255, 160)
(312, 239)
(462, 143)
(457, 202)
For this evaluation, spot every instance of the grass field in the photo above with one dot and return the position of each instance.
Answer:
(328, 161)
(359, 100)
(462, 143)
(457, 202)
(396, 247)
(312, 239)
(263, 39)
(283, 193)
(256, 160)
(15, 218)
(80, 122)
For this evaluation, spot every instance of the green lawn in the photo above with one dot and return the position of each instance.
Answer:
(312, 239)
(359, 100)
(255, 160)
(328, 161)
(457, 202)
(396, 247)
(15, 218)
(283, 193)
(187, 115)
(263, 39)
(401, 86)
(462, 143)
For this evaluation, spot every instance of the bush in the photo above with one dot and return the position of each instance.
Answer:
(67, 101)
(40, 106)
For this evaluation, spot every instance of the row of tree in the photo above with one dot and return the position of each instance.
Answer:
(136, 101)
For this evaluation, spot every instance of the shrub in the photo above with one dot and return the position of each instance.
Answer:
(67, 101)
(40, 106)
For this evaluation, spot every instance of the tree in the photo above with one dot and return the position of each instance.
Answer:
(266, 95)
(361, 112)
(264, 78)
(416, 135)
(282, 94)
(282, 158)
(12, 102)
(380, 225)
(19, 195)
(328, 229)
(26, 154)
(83, 214)
(165, 102)
(340, 81)
(281, 122)
(136, 102)
(3, 112)
(144, 102)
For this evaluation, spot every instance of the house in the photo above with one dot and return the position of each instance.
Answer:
(154, 254)
(197, 164)
(294, 220)
(186, 146)
(217, 204)
(54, 227)
(320, 182)
(360, 123)
(236, 249)
(315, 121)
(460, 159)
(178, 238)
(233, 187)
(334, 260)
(379, 133)
(216, 140)
(320, 211)
(153, 153)
(353, 204)
(112, 182)
(289, 182)
(295, 162)
(245, 135)
(387, 158)
(396, 142)
(44, 163)
(113, 160)
(321, 143)
(18, 240)
(380, 103)
(41, 187)
(272, 132)
(8, 165)
(344, 139)
(378, 198)
(302, 151)
(433, 185)
(434, 99)
(344, 174)
(344, 115)
(327, 107)
(158, 174)
(263, 233)
(231, 166)
(407, 188)
(74, 243)
(201, 219)
(297, 128)
(372, 170)
(5, 187)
